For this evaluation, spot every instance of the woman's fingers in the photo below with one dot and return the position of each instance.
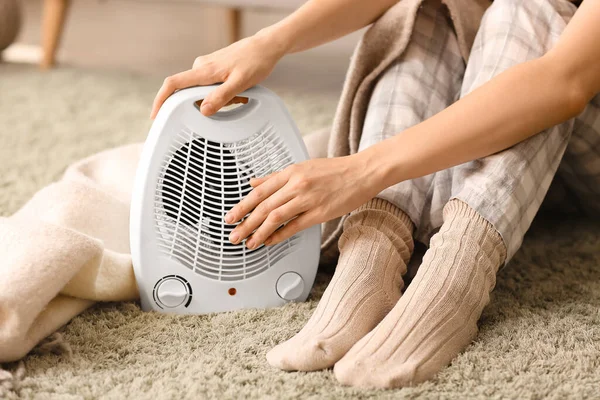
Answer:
(296, 225)
(178, 81)
(222, 95)
(259, 216)
(274, 220)
(254, 198)
(235, 100)
(256, 182)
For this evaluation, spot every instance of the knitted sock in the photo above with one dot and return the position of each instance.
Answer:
(436, 318)
(374, 249)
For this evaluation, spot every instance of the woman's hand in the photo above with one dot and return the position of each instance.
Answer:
(239, 66)
(304, 194)
(249, 61)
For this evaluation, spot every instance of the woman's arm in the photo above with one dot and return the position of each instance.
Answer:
(510, 108)
(321, 21)
(249, 61)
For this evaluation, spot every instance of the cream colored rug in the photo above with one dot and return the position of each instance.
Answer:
(540, 336)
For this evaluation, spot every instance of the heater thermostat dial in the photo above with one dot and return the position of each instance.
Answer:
(171, 292)
(290, 286)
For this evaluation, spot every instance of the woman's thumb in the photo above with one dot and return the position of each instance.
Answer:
(222, 95)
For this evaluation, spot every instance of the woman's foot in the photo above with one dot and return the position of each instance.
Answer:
(436, 318)
(374, 249)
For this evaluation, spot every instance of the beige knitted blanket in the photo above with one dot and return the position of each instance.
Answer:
(68, 247)
(65, 249)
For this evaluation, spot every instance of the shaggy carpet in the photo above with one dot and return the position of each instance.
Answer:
(540, 335)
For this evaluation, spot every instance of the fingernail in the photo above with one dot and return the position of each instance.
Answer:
(268, 242)
(234, 237)
(229, 218)
(206, 108)
(250, 244)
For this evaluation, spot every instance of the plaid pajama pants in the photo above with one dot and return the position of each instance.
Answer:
(506, 188)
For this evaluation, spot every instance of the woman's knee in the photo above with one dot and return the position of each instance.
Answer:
(513, 32)
(542, 18)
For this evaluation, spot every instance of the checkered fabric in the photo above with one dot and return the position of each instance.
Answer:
(506, 188)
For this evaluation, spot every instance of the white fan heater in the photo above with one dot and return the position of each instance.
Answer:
(193, 169)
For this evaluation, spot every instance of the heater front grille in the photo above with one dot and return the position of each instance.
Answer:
(199, 181)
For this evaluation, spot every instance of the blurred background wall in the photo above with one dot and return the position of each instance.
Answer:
(163, 37)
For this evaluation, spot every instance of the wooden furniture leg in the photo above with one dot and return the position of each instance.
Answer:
(53, 20)
(234, 16)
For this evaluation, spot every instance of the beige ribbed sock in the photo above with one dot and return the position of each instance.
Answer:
(436, 318)
(374, 249)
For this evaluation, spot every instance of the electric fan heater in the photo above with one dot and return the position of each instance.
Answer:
(193, 169)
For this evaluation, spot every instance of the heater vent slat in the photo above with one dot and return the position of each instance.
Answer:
(199, 181)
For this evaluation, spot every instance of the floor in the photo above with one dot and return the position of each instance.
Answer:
(539, 337)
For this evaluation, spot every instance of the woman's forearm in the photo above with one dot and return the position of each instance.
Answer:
(321, 21)
(515, 105)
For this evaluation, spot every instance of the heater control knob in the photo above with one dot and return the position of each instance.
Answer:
(172, 292)
(290, 286)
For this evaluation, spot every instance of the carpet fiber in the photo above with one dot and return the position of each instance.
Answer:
(540, 336)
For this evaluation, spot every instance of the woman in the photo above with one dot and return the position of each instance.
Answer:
(464, 150)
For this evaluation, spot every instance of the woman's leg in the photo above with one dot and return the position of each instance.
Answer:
(426, 80)
(436, 318)
(374, 251)
(377, 240)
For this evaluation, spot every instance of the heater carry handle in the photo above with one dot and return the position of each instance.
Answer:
(233, 114)
(230, 125)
